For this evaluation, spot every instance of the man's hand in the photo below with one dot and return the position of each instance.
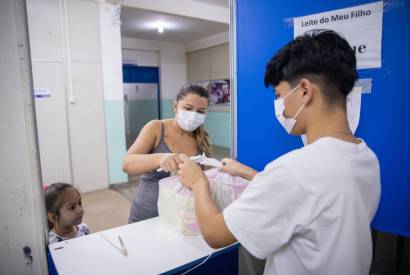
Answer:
(169, 162)
(210, 219)
(189, 172)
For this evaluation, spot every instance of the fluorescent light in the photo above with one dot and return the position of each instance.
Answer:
(160, 27)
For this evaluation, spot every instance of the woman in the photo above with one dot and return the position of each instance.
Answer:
(158, 146)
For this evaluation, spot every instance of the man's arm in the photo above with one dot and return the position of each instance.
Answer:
(210, 220)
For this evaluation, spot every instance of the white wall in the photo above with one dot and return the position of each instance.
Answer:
(172, 60)
(72, 137)
(49, 72)
(208, 64)
(111, 52)
(113, 92)
(141, 57)
(208, 42)
(22, 212)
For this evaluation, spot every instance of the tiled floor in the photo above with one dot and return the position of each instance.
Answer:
(127, 189)
(104, 209)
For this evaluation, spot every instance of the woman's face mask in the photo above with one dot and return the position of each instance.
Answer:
(191, 112)
(189, 120)
(287, 123)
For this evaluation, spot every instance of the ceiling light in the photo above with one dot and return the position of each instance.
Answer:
(160, 27)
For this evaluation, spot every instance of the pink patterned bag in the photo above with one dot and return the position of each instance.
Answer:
(176, 202)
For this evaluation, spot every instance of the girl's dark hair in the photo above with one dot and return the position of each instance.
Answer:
(201, 136)
(321, 56)
(55, 196)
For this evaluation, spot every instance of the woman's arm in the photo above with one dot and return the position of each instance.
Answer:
(138, 160)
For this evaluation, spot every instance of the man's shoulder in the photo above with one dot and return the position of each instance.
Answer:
(289, 158)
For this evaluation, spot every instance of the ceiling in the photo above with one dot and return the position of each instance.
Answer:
(139, 23)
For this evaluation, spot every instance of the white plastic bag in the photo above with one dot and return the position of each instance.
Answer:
(176, 203)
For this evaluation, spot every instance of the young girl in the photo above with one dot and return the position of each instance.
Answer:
(64, 213)
(159, 143)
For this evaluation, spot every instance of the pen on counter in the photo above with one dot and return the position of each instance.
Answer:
(123, 248)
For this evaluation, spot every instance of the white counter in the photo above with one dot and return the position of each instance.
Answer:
(153, 247)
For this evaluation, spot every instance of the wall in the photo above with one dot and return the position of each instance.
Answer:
(208, 58)
(208, 42)
(208, 64)
(139, 110)
(22, 213)
(172, 63)
(75, 55)
(218, 126)
(141, 106)
(49, 72)
(113, 92)
(141, 57)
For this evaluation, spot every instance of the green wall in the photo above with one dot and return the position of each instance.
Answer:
(140, 112)
(218, 126)
(115, 131)
(167, 108)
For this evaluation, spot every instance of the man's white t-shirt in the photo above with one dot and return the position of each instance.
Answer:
(309, 211)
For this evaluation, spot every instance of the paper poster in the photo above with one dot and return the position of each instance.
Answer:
(353, 104)
(360, 25)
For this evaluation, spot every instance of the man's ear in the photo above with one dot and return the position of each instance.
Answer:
(309, 90)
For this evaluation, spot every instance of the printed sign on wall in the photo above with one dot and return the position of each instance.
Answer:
(360, 25)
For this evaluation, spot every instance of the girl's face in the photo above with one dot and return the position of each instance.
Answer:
(71, 213)
(192, 102)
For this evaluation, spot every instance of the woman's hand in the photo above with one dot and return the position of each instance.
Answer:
(235, 168)
(190, 173)
(169, 162)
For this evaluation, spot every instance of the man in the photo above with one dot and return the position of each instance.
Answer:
(309, 211)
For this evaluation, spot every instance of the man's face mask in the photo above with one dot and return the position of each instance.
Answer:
(189, 121)
(279, 104)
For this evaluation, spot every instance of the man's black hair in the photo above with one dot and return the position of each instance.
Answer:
(323, 57)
